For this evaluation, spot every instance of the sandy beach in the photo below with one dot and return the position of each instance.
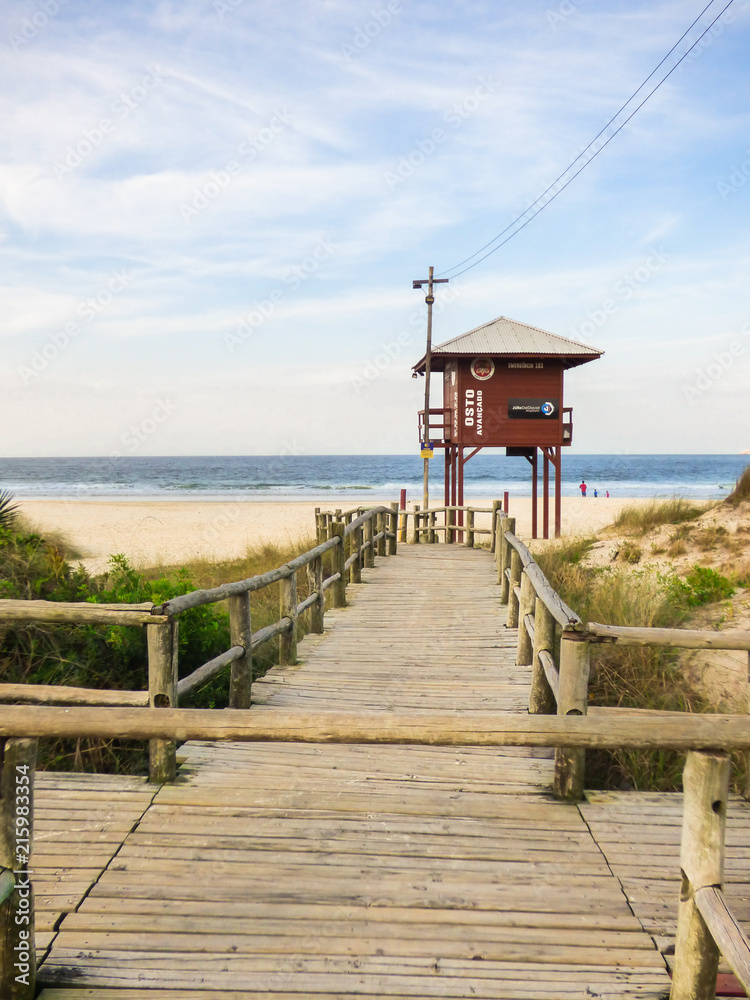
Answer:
(153, 532)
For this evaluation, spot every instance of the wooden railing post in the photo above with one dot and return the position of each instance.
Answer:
(17, 945)
(541, 697)
(705, 783)
(498, 527)
(404, 526)
(469, 529)
(508, 524)
(393, 542)
(431, 533)
(318, 532)
(380, 523)
(339, 560)
(525, 649)
(288, 609)
(315, 583)
(572, 699)
(162, 693)
(369, 557)
(497, 505)
(516, 569)
(355, 570)
(241, 634)
(450, 522)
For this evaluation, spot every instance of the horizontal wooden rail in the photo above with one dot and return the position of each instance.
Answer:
(63, 613)
(270, 632)
(726, 932)
(560, 611)
(197, 598)
(202, 675)
(668, 730)
(49, 694)
(683, 638)
(307, 603)
(550, 671)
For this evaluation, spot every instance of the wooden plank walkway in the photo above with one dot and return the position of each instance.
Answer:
(283, 871)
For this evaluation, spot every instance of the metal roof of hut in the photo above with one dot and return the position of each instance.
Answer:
(509, 337)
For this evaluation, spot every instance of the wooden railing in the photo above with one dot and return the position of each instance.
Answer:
(704, 923)
(371, 532)
(424, 523)
(552, 640)
(559, 684)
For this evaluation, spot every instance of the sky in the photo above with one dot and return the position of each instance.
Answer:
(213, 212)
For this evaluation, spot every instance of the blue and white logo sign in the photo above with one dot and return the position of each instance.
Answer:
(548, 409)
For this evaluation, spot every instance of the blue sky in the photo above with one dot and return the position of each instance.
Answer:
(213, 210)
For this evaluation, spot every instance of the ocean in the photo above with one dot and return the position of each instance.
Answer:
(378, 478)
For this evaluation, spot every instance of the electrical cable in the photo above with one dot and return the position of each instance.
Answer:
(585, 150)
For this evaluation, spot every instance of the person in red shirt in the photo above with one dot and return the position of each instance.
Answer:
(582, 488)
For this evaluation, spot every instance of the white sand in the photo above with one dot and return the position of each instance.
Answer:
(153, 532)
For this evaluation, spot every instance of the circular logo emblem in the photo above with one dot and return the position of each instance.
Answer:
(548, 409)
(482, 368)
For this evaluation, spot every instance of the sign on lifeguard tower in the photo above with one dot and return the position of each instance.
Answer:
(503, 388)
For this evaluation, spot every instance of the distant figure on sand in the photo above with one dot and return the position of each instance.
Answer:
(607, 494)
(596, 493)
(582, 488)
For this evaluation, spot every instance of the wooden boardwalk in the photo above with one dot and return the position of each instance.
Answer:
(282, 871)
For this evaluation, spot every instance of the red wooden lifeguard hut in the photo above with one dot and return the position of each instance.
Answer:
(503, 388)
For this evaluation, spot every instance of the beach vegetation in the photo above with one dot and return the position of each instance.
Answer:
(641, 677)
(741, 491)
(9, 509)
(629, 552)
(702, 585)
(114, 656)
(642, 518)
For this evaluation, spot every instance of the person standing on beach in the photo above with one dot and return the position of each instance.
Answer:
(582, 488)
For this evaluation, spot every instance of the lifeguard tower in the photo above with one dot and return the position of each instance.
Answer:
(503, 388)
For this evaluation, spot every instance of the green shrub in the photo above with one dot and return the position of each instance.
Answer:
(115, 656)
(702, 585)
(8, 510)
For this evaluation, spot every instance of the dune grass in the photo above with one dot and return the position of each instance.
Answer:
(627, 676)
(638, 520)
(741, 491)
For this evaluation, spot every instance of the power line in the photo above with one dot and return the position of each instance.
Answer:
(583, 166)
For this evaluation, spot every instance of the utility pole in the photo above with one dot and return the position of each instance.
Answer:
(429, 299)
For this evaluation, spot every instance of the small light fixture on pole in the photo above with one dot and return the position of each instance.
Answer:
(429, 299)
